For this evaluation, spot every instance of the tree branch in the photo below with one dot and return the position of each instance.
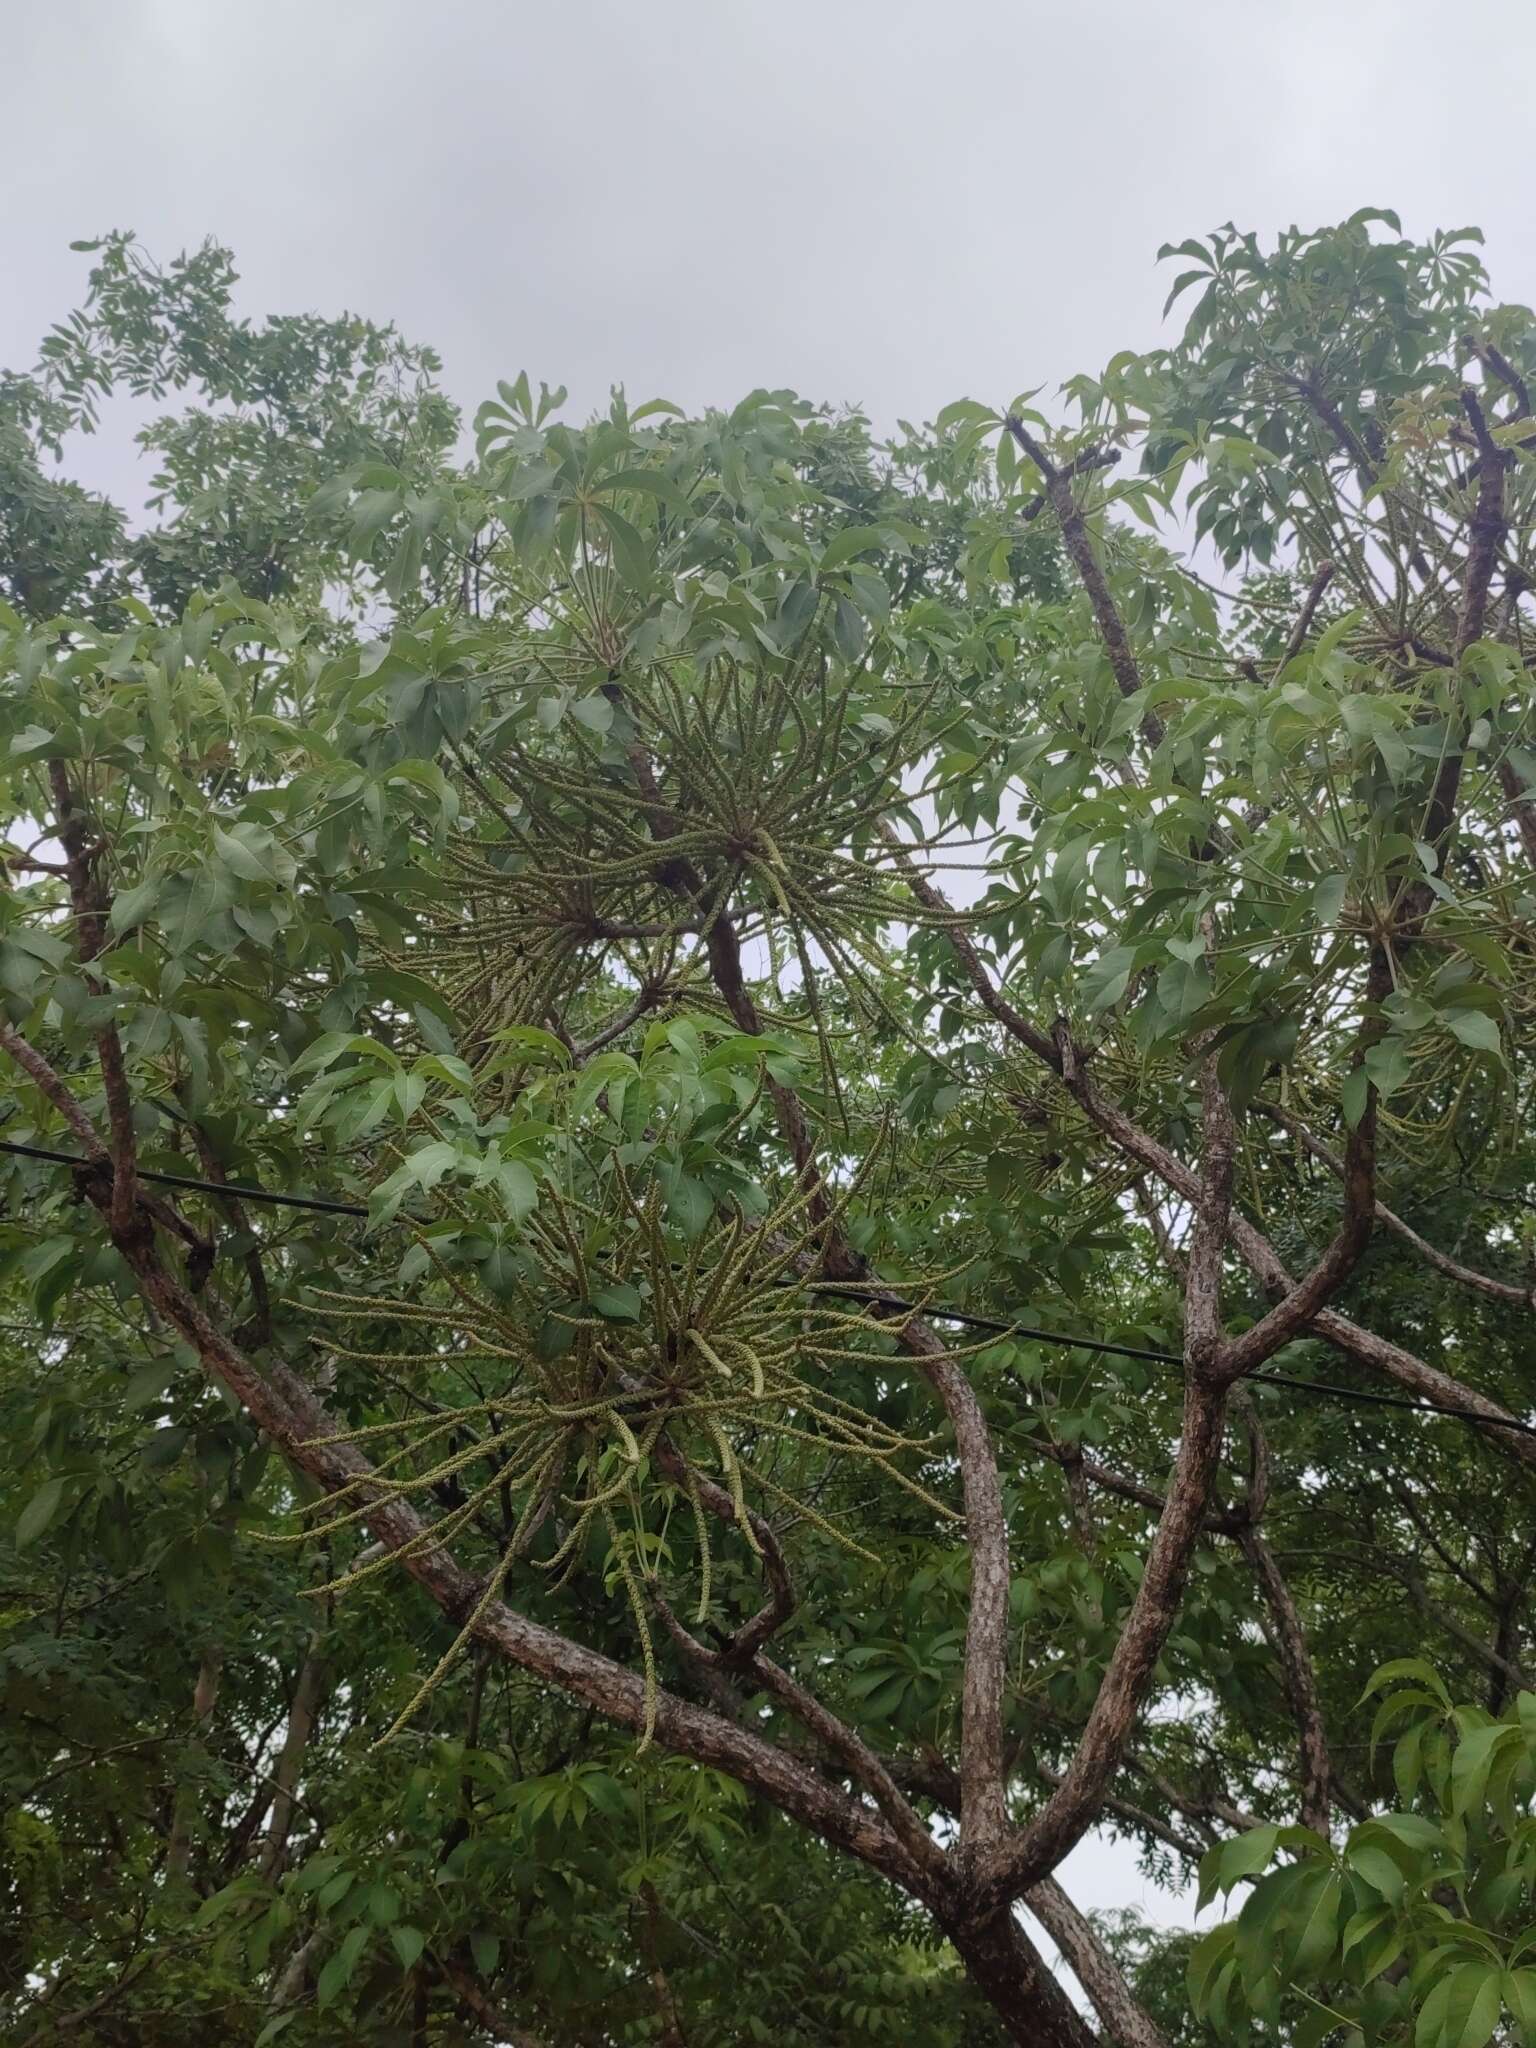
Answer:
(1075, 538)
(1290, 1644)
(1035, 1850)
(1322, 576)
(1464, 1276)
(1127, 2023)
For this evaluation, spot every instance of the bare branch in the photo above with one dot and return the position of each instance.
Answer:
(1039, 1846)
(1290, 1644)
(1464, 1276)
(1500, 367)
(1322, 576)
(55, 1088)
(303, 1716)
(1075, 537)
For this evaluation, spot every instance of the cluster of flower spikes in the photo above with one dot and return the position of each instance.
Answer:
(1050, 1138)
(719, 1336)
(525, 941)
(756, 788)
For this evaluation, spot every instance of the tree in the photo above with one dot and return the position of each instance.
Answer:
(544, 873)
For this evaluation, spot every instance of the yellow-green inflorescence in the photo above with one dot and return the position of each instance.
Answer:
(617, 1343)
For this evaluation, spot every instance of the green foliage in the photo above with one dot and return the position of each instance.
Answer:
(529, 856)
(1421, 1925)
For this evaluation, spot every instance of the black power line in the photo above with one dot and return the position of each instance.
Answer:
(194, 1186)
(1359, 1395)
(871, 1297)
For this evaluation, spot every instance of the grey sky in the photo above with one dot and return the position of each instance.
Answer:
(866, 199)
(869, 200)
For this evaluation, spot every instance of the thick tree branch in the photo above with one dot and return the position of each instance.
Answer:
(1006, 1965)
(1036, 1849)
(54, 1088)
(1128, 2024)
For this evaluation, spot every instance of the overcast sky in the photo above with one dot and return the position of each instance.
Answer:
(869, 200)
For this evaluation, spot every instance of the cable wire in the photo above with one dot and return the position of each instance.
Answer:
(871, 1297)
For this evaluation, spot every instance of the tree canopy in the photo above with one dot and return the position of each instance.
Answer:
(751, 1166)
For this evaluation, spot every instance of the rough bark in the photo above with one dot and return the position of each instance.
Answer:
(1004, 1963)
(1126, 2023)
(1071, 1809)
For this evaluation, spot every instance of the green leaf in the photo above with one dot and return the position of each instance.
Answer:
(383, 1904)
(1229, 1862)
(594, 712)
(650, 481)
(407, 1943)
(847, 630)
(251, 853)
(1105, 981)
(1318, 1929)
(848, 543)
(1519, 1994)
(1473, 1028)
(631, 554)
(1462, 2008)
(1379, 1870)
(1414, 1668)
(1474, 1759)
(1208, 1956)
(617, 1300)
(130, 907)
(38, 1513)
(1354, 1096)
(516, 1185)
(530, 1039)
(967, 412)
(690, 1205)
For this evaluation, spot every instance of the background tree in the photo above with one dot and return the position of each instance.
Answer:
(548, 869)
